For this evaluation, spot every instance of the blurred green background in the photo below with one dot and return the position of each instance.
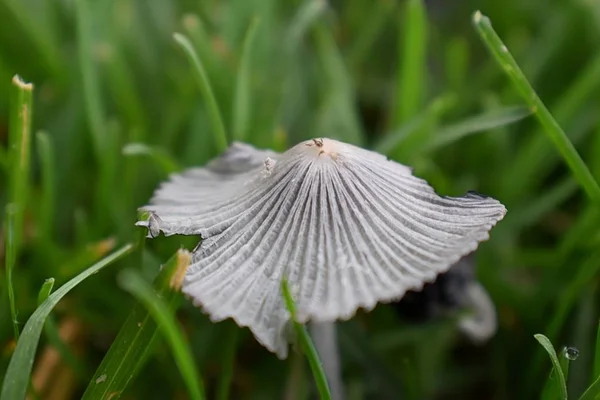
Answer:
(108, 74)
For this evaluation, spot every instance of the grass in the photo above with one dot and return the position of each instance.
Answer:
(207, 92)
(19, 165)
(118, 104)
(562, 143)
(134, 283)
(16, 379)
(306, 344)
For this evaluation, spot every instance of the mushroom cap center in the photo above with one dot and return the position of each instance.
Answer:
(322, 146)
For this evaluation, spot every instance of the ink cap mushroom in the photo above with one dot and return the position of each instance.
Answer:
(346, 227)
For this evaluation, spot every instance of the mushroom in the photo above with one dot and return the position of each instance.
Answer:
(347, 227)
(454, 290)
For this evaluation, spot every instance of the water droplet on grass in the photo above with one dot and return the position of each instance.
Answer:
(571, 353)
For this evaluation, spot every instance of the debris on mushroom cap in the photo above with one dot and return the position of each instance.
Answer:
(346, 226)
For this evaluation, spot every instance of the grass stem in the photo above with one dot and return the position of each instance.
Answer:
(18, 166)
(307, 345)
(206, 90)
(558, 137)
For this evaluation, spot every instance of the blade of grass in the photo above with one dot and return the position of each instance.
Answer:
(411, 80)
(43, 43)
(120, 79)
(48, 171)
(557, 371)
(19, 369)
(536, 208)
(391, 142)
(584, 227)
(564, 303)
(306, 344)
(103, 137)
(565, 300)
(564, 364)
(571, 110)
(457, 62)
(90, 79)
(19, 165)
(206, 90)
(476, 124)
(45, 290)
(291, 107)
(133, 282)
(596, 371)
(593, 392)
(3, 159)
(164, 161)
(136, 338)
(370, 31)
(555, 133)
(308, 12)
(51, 330)
(242, 99)
(338, 111)
(230, 340)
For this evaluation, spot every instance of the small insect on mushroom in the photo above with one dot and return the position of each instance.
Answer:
(347, 227)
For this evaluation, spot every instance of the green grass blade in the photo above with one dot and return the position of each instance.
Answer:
(134, 343)
(564, 364)
(133, 282)
(90, 78)
(211, 102)
(573, 111)
(565, 300)
(338, 112)
(19, 369)
(242, 101)
(3, 159)
(596, 371)
(535, 209)
(307, 345)
(479, 123)
(556, 367)
(43, 44)
(584, 227)
(53, 335)
(164, 161)
(457, 63)
(48, 171)
(307, 14)
(370, 32)
(45, 290)
(592, 392)
(411, 80)
(103, 135)
(18, 171)
(230, 341)
(562, 143)
(408, 132)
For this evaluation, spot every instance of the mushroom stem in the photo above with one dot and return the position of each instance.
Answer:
(482, 324)
(324, 335)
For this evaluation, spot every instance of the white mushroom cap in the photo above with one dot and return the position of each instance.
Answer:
(346, 226)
